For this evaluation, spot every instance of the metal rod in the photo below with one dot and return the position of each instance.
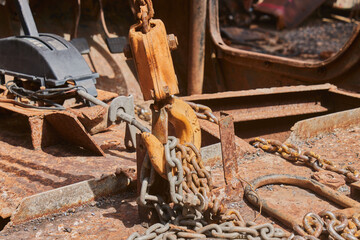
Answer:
(91, 98)
(197, 47)
(120, 114)
(26, 18)
(228, 149)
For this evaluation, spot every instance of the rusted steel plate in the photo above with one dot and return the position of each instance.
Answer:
(272, 112)
(47, 126)
(325, 124)
(112, 217)
(25, 172)
(69, 128)
(116, 217)
(290, 13)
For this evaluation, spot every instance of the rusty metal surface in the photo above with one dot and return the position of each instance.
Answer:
(70, 129)
(117, 218)
(312, 127)
(196, 58)
(241, 69)
(64, 198)
(228, 148)
(283, 216)
(24, 172)
(272, 112)
(107, 218)
(330, 179)
(63, 123)
(289, 13)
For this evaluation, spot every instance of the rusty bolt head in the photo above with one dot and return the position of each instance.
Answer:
(173, 41)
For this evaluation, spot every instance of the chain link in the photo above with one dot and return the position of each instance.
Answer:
(328, 224)
(227, 230)
(143, 113)
(203, 112)
(194, 208)
(144, 13)
(294, 154)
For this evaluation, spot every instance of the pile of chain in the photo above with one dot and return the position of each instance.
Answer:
(294, 154)
(330, 225)
(191, 211)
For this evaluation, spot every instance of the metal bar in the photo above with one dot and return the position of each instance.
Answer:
(140, 155)
(228, 148)
(63, 198)
(120, 114)
(197, 47)
(92, 99)
(26, 18)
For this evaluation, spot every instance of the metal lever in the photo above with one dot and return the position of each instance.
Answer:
(26, 18)
(121, 108)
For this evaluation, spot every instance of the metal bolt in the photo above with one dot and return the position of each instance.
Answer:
(173, 41)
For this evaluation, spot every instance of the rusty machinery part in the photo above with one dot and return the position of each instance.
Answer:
(144, 12)
(151, 52)
(186, 126)
(120, 111)
(203, 112)
(292, 153)
(335, 226)
(193, 209)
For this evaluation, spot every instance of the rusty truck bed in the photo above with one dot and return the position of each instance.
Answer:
(331, 130)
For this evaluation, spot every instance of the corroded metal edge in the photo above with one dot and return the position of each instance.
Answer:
(314, 126)
(70, 196)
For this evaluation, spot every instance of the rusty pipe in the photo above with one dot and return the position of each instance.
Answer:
(297, 181)
(196, 46)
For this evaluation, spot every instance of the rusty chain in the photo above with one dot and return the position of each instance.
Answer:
(193, 212)
(328, 224)
(144, 13)
(203, 112)
(226, 230)
(294, 154)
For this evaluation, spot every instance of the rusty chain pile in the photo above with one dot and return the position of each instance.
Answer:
(203, 112)
(294, 154)
(330, 225)
(193, 212)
